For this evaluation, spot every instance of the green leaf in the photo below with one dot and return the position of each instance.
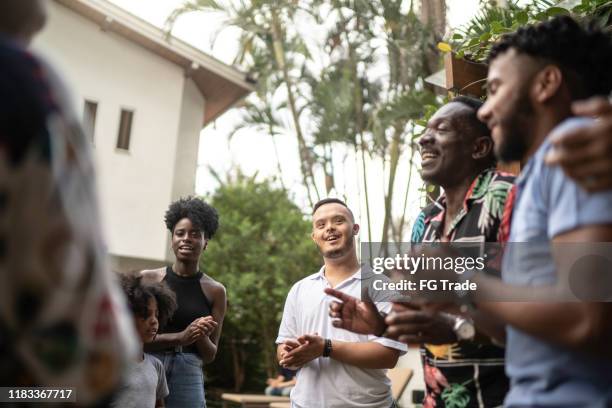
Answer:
(497, 27)
(456, 396)
(555, 11)
(473, 42)
(542, 16)
(457, 36)
(522, 17)
(484, 37)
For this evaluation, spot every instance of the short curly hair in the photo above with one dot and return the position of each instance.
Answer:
(138, 295)
(199, 213)
(582, 51)
(475, 124)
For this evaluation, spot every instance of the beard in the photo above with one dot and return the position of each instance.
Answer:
(514, 142)
(338, 252)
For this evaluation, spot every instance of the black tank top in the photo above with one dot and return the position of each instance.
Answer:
(191, 301)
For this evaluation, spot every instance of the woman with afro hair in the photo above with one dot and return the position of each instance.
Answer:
(191, 337)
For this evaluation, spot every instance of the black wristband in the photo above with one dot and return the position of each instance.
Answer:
(327, 349)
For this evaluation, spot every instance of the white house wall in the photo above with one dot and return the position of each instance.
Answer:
(136, 186)
(186, 157)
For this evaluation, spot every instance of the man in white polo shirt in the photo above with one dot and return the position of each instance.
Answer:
(337, 368)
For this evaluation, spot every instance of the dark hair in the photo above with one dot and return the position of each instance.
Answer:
(582, 52)
(138, 295)
(330, 200)
(473, 122)
(474, 125)
(199, 213)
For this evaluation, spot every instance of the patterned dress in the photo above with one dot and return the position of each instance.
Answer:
(467, 374)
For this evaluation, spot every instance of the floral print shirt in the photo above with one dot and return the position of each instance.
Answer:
(466, 373)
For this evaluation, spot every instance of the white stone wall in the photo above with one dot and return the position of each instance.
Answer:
(135, 186)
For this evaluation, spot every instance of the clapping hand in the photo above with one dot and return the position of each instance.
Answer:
(200, 327)
(309, 347)
(207, 324)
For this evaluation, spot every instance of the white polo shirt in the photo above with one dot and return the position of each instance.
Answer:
(325, 382)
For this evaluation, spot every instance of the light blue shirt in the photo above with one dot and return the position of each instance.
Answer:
(548, 203)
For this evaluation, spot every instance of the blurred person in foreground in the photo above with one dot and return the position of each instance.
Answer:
(336, 368)
(63, 320)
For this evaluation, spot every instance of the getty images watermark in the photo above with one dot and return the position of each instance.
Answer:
(438, 271)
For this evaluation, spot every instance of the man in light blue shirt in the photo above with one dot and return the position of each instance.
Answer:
(558, 354)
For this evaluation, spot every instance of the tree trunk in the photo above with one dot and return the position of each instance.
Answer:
(394, 154)
(268, 356)
(238, 362)
(306, 160)
(278, 166)
(402, 220)
(358, 101)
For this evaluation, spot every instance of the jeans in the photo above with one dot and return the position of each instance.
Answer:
(185, 379)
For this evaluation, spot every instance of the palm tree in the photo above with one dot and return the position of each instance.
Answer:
(263, 32)
(344, 104)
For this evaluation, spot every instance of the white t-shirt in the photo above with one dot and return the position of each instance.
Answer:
(325, 382)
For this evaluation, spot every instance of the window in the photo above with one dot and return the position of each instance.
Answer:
(125, 129)
(89, 118)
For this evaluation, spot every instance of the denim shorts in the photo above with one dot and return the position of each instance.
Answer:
(185, 379)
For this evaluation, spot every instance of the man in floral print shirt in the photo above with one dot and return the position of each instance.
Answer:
(457, 155)
(456, 151)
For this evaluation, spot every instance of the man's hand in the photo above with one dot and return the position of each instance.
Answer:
(585, 154)
(355, 315)
(286, 347)
(310, 347)
(411, 325)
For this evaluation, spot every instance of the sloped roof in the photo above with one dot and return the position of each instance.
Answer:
(220, 84)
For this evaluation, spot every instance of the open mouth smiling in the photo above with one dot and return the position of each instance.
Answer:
(427, 156)
(332, 238)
